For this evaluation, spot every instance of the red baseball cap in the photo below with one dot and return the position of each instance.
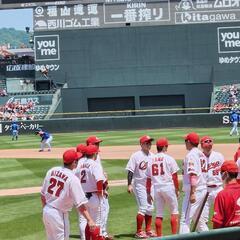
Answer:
(192, 137)
(229, 166)
(91, 149)
(81, 148)
(162, 142)
(70, 156)
(93, 140)
(206, 141)
(145, 138)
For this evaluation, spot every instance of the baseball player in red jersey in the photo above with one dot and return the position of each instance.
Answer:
(94, 140)
(214, 162)
(91, 177)
(136, 167)
(60, 191)
(194, 185)
(162, 174)
(227, 202)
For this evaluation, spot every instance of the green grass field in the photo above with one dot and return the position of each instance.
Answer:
(115, 138)
(20, 216)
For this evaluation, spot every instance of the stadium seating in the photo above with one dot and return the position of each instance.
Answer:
(226, 98)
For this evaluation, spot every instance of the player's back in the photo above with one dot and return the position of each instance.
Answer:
(161, 168)
(89, 172)
(57, 188)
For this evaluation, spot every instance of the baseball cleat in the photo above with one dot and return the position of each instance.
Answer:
(40, 150)
(141, 235)
(109, 237)
(151, 234)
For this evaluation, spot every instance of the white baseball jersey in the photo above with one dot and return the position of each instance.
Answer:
(89, 172)
(62, 189)
(98, 160)
(214, 161)
(194, 163)
(137, 164)
(160, 170)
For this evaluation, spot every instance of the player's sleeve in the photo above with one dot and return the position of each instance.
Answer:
(77, 193)
(192, 166)
(98, 172)
(131, 164)
(173, 165)
(218, 216)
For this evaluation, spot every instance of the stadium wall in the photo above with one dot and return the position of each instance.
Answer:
(139, 61)
(121, 123)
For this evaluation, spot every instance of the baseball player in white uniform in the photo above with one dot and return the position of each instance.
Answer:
(136, 167)
(162, 174)
(91, 177)
(60, 191)
(214, 162)
(94, 140)
(194, 185)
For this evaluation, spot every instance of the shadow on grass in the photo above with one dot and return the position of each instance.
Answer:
(116, 236)
(74, 236)
(123, 235)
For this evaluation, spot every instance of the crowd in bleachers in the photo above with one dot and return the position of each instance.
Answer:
(226, 98)
(13, 111)
(3, 92)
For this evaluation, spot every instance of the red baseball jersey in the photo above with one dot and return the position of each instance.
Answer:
(227, 206)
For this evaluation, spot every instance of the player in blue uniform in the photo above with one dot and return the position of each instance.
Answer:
(46, 139)
(14, 128)
(234, 119)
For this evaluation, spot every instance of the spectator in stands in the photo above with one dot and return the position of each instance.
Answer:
(16, 111)
(226, 206)
(234, 119)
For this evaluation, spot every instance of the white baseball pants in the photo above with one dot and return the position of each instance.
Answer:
(56, 224)
(94, 207)
(141, 197)
(165, 195)
(46, 142)
(191, 210)
(234, 128)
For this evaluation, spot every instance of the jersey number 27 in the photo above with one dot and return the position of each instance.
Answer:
(53, 183)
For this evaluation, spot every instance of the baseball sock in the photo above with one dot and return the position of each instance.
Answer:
(174, 223)
(140, 219)
(158, 225)
(95, 234)
(148, 222)
(87, 233)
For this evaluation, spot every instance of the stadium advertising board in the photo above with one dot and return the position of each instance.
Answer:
(46, 47)
(118, 13)
(229, 44)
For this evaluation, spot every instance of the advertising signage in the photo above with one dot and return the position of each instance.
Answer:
(120, 13)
